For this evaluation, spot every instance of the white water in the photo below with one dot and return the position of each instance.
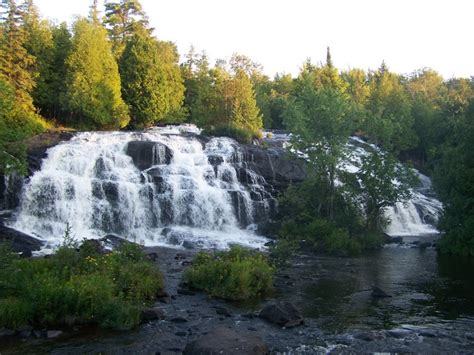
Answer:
(92, 184)
(415, 217)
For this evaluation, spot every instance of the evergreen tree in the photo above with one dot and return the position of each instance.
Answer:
(152, 82)
(93, 95)
(123, 18)
(39, 44)
(15, 61)
(245, 112)
(61, 50)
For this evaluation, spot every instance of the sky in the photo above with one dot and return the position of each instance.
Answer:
(282, 34)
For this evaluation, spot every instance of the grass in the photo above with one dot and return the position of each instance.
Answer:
(77, 286)
(237, 275)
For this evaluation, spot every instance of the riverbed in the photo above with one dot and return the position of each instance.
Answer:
(431, 308)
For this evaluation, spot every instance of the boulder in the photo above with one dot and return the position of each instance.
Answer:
(379, 293)
(151, 314)
(146, 154)
(274, 164)
(20, 242)
(51, 334)
(222, 340)
(37, 147)
(283, 314)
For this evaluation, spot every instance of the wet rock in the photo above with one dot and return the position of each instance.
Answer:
(146, 154)
(6, 333)
(223, 340)
(283, 314)
(180, 256)
(112, 241)
(25, 331)
(223, 311)
(38, 145)
(152, 256)
(151, 314)
(185, 292)
(10, 191)
(273, 164)
(399, 333)
(178, 320)
(379, 293)
(20, 242)
(181, 334)
(188, 245)
(366, 336)
(429, 333)
(215, 160)
(51, 334)
(392, 240)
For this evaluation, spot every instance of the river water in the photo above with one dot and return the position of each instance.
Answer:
(431, 309)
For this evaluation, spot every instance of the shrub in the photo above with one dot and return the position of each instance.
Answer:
(237, 274)
(241, 135)
(77, 286)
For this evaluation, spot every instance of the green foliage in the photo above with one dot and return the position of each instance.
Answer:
(454, 174)
(217, 97)
(237, 274)
(389, 121)
(123, 18)
(384, 182)
(93, 83)
(241, 135)
(77, 286)
(151, 80)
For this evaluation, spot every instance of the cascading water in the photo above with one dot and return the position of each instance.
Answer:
(157, 187)
(164, 186)
(415, 217)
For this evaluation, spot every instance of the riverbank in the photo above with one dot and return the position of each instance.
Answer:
(430, 309)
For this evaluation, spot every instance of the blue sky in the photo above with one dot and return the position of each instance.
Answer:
(281, 34)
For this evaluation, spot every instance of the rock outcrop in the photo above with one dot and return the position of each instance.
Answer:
(20, 242)
(145, 154)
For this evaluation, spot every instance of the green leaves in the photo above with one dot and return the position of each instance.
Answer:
(93, 83)
(151, 80)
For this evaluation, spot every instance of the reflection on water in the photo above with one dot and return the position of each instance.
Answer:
(425, 289)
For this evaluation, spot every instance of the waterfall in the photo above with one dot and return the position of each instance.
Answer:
(170, 186)
(157, 187)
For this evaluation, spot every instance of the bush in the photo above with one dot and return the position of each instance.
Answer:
(77, 286)
(237, 274)
(305, 221)
(241, 135)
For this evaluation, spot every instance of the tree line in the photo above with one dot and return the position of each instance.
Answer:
(108, 71)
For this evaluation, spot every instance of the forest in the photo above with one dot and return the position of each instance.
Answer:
(108, 72)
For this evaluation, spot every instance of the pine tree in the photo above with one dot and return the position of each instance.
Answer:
(123, 19)
(245, 112)
(93, 95)
(152, 83)
(39, 44)
(15, 61)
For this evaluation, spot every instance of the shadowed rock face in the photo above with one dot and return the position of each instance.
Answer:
(20, 242)
(274, 164)
(146, 154)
